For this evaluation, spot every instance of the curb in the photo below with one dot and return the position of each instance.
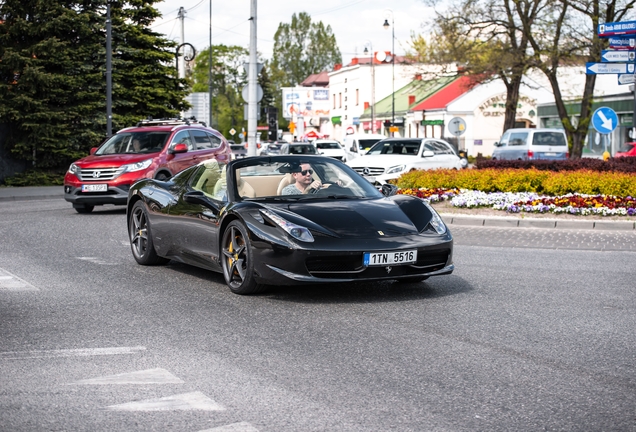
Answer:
(509, 222)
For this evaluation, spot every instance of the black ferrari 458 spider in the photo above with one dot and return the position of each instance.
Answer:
(281, 220)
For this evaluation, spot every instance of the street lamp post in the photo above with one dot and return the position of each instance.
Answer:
(386, 27)
(366, 51)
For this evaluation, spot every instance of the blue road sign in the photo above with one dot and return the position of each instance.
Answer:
(617, 28)
(622, 43)
(625, 79)
(609, 68)
(618, 56)
(604, 120)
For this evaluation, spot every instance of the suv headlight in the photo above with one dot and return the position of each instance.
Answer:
(74, 169)
(137, 166)
(298, 232)
(395, 169)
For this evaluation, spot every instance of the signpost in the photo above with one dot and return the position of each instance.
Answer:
(617, 28)
(457, 126)
(622, 43)
(604, 120)
(618, 56)
(609, 68)
(625, 79)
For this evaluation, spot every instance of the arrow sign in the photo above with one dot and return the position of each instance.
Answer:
(622, 43)
(616, 28)
(625, 79)
(609, 68)
(604, 120)
(618, 56)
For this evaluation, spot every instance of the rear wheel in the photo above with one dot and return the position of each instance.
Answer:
(141, 243)
(237, 260)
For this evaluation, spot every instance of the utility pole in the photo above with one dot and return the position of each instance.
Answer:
(252, 103)
(210, 71)
(109, 74)
(181, 60)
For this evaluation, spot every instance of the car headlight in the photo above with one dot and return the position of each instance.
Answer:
(298, 232)
(395, 169)
(436, 221)
(74, 169)
(137, 166)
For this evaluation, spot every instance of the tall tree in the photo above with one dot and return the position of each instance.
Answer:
(52, 68)
(567, 35)
(486, 39)
(50, 94)
(302, 48)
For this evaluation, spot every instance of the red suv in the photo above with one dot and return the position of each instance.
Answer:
(152, 149)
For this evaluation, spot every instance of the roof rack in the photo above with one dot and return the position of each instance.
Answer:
(169, 121)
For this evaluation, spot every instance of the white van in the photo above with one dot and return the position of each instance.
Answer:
(357, 144)
(529, 143)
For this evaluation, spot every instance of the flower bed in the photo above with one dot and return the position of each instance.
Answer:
(530, 202)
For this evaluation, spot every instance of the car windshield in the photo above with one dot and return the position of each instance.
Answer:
(293, 178)
(134, 143)
(328, 145)
(395, 147)
(302, 149)
(367, 143)
(549, 139)
(627, 147)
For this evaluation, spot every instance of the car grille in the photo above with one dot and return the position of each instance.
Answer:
(369, 171)
(100, 174)
(351, 266)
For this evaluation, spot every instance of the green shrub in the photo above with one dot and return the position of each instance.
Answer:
(36, 178)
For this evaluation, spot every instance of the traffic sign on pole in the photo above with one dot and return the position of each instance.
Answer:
(609, 68)
(617, 56)
(625, 79)
(617, 28)
(622, 43)
(604, 120)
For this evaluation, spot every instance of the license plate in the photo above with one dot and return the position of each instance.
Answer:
(389, 258)
(94, 188)
(370, 179)
(550, 154)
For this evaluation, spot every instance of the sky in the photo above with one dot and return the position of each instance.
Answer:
(355, 23)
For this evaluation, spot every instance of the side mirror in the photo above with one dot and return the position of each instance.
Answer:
(389, 189)
(353, 149)
(179, 148)
(428, 153)
(93, 150)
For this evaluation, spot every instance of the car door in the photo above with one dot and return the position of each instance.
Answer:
(180, 161)
(195, 217)
(427, 161)
(447, 156)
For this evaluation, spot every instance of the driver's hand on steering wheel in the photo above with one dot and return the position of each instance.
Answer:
(316, 184)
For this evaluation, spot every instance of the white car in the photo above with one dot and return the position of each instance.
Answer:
(357, 144)
(330, 148)
(390, 158)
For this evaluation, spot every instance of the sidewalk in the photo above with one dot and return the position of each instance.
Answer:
(452, 219)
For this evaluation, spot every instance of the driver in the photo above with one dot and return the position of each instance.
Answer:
(304, 182)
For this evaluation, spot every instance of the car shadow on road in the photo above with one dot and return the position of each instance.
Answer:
(370, 292)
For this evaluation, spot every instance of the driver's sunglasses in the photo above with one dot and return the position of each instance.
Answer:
(304, 172)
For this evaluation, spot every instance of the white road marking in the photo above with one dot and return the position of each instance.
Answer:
(96, 260)
(81, 352)
(150, 376)
(10, 282)
(182, 402)
(234, 427)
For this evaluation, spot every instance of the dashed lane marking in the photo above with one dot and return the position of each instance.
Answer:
(96, 260)
(81, 352)
(182, 402)
(10, 282)
(150, 376)
(234, 427)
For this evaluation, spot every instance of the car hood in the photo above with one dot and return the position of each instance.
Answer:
(376, 218)
(104, 161)
(384, 161)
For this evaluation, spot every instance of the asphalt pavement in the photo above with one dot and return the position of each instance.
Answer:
(57, 192)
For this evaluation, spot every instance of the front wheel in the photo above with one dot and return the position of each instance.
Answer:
(141, 242)
(237, 260)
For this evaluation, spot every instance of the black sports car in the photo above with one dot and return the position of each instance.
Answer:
(281, 220)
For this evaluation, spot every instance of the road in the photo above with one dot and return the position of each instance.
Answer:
(533, 331)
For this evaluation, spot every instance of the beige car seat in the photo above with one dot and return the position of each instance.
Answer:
(245, 189)
(284, 182)
(210, 177)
